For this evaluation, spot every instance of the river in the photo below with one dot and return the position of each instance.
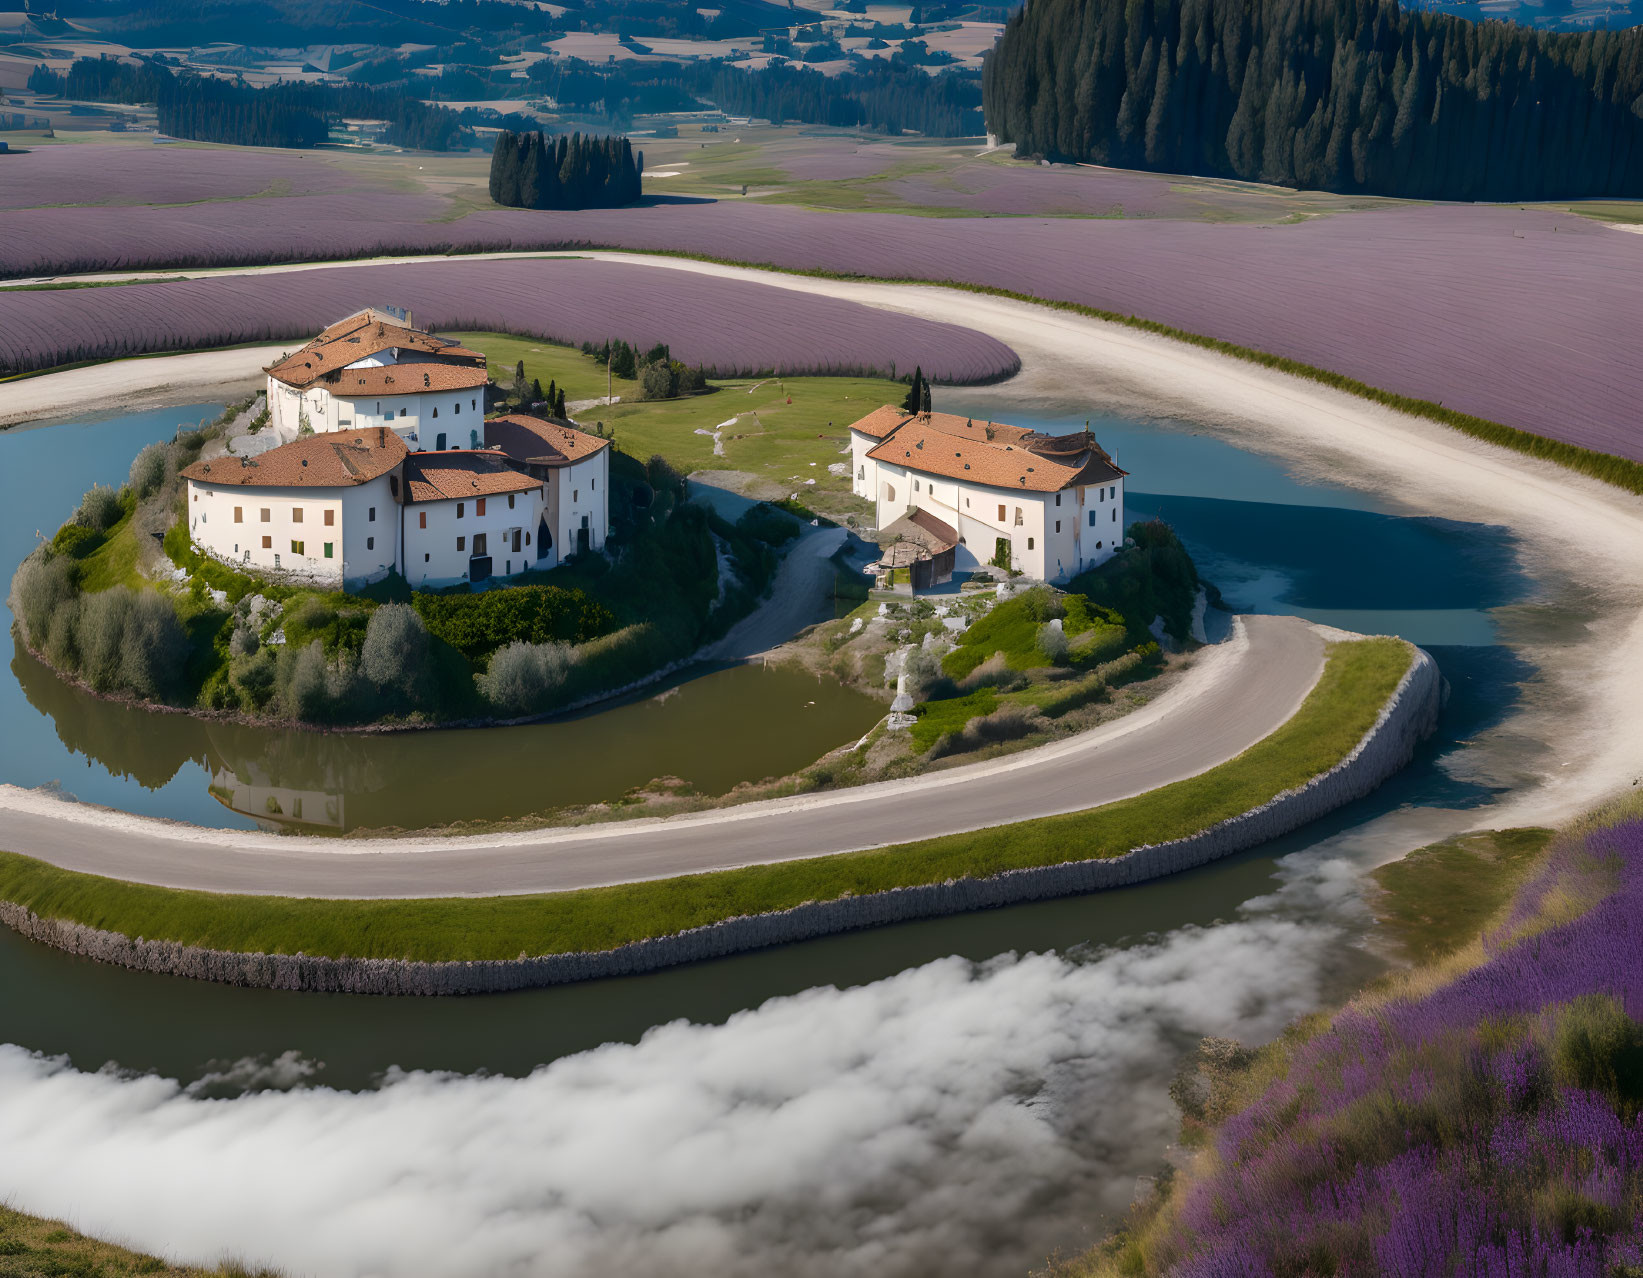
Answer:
(1270, 541)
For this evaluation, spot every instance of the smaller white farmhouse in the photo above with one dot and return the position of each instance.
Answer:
(1047, 506)
(374, 369)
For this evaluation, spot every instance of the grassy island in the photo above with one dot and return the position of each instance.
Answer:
(120, 600)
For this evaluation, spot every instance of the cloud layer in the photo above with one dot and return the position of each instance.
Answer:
(954, 1119)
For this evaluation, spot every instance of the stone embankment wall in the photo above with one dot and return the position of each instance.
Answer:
(1407, 718)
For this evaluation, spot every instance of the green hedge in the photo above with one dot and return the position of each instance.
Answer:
(477, 624)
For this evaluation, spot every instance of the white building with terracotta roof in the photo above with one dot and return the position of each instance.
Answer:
(342, 509)
(1047, 506)
(374, 369)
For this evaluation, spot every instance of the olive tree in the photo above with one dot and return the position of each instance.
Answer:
(396, 656)
(524, 677)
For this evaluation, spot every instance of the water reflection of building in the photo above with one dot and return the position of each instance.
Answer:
(275, 807)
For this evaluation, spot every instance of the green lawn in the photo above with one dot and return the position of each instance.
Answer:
(114, 563)
(1438, 898)
(1357, 680)
(773, 439)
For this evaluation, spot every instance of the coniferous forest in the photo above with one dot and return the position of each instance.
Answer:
(208, 109)
(530, 171)
(1338, 95)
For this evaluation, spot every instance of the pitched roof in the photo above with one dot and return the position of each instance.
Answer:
(881, 421)
(920, 528)
(958, 448)
(455, 473)
(534, 439)
(404, 379)
(336, 459)
(361, 335)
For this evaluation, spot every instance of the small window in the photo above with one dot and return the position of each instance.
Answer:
(1058, 499)
(1115, 514)
(458, 407)
(328, 546)
(1018, 519)
(196, 497)
(436, 410)
(330, 518)
(388, 416)
(473, 403)
(296, 548)
(461, 509)
(1029, 543)
(266, 514)
(1103, 494)
(889, 492)
(592, 485)
(479, 506)
(1001, 515)
(422, 518)
(370, 543)
(575, 495)
(426, 558)
(510, 501)
(371, 515)
(1092, 519)
(861, 472)
(276, 561)
(461, 543)
(439, 442)
(267, 543)
(239, 515)
(1058, 525)
(915, 486)
(1114, 491)
(296, 514)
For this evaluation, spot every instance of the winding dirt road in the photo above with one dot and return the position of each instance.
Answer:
(1232, 696)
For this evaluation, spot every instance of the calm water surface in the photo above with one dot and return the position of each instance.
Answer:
(1271, 543)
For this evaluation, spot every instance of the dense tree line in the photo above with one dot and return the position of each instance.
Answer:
(572, 171)
(1342, 95)
(208, 109)
(890, 97)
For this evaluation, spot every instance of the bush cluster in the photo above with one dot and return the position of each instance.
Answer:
(476, 625)
(118, 640)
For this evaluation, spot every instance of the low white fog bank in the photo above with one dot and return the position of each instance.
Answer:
(954, 1119)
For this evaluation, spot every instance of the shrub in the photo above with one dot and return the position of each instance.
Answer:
(1052, 642)
(478, 624)
(656, 383)
(76, 540)
(62, 645)
(526, 677)
(100, 508)
(243, 642)
(925, 680)
(1041, 604)
(253, 677)
(154, 647)
(663, 476)
(148, 470)
(102, 629)
(395, 656)
(995, 672)
(42, 581)
(1007, 723)
(301, 681)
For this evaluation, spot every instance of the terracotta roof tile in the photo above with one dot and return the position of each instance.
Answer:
(456, 473)
(357, 337)
(336, 459)
(958, 448)
(881, 421)
(404, 379)
(533, 439)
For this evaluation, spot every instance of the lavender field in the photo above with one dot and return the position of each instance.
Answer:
(727, 326)
(1491, 1127)
(1521, 316)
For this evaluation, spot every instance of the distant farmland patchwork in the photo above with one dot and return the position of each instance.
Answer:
(727, 326)
(1495, 311)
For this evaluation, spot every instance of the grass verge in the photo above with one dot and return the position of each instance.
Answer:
(1358, 679)
(31, 1248)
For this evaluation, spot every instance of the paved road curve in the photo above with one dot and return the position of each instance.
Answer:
(1231, 697)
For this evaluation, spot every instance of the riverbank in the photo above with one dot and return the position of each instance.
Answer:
(1376, 699)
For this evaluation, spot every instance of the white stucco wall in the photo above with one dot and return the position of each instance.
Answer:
(418, 417)
(432, 529)
(864, 471)
(581, 491)
(1038, 549)
(362, 549)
